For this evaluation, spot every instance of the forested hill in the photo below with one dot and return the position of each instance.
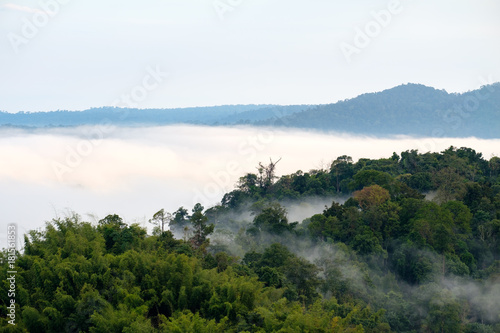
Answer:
(409, 109)
(215, 115)
(415, 248)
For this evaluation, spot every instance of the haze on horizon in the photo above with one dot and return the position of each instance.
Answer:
(84, 54)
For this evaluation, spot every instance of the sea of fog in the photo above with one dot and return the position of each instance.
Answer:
(134, 172)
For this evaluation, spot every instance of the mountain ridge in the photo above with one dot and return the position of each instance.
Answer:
(411, 109)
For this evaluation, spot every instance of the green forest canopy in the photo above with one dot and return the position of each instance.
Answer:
(415, 248)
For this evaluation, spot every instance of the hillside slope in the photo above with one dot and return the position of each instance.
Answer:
(410, 109)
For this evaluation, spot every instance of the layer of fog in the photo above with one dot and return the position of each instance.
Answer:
(134, 172)
(361, 275)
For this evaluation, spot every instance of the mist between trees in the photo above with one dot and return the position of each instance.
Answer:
(351, 247)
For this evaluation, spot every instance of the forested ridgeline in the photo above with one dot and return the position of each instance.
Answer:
(408, 109)
(410, 243)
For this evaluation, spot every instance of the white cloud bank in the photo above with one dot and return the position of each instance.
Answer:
(136, 171)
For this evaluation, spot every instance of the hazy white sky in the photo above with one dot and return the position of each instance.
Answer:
(88, 53)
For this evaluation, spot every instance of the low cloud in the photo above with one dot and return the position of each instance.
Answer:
(196, 153)
(137, 171)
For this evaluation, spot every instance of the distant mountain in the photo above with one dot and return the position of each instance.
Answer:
(216, 115)
(410, 109)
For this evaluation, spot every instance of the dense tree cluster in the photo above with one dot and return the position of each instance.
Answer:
(414, 248)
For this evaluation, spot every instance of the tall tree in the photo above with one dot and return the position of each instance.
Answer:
(341, 168)
(273, 219)
(267, 174)
(160, 218)
(179, 220)
(200, 228)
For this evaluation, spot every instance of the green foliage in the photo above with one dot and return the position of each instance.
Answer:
(322, 227)
(444, 314)
(273, 219)
(280, 268)
(118, 236)
(387, 259)
(367, 178)
(179, 220)
(200, 228)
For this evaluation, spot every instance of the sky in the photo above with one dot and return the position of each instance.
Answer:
(75, 54)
